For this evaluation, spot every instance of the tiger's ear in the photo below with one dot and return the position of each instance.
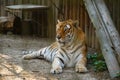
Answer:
(58, 21)
(76, 23)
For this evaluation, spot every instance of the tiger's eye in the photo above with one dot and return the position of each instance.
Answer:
(66, 27)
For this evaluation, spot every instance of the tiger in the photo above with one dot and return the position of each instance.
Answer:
(68, 50)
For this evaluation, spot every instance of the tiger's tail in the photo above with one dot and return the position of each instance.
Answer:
(32, 54)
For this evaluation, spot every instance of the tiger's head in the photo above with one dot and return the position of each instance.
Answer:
(65, 31)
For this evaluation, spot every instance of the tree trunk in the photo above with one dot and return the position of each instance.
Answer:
(96, 9)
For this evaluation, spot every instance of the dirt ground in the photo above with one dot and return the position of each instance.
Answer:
(13, 67)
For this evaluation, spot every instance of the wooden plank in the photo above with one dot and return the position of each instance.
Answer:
(73, 10)
(93, 37)
(118, 18)
(107, 50)
(90, 35)
(77, 15)
(66, 10)
(81, 11)
(110, 27)
(86, 26)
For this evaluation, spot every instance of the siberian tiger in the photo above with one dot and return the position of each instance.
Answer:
(69, 50)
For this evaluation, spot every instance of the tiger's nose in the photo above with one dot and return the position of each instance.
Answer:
(58, 36)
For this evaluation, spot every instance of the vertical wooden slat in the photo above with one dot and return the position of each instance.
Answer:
(64, 8)
(90, 35)
(114, 12)
(72, 3)
(0, 6)
(53, 14)
(81, 14)
(66, 11)
(3, 6)
(86, 27)
(118, 16)
(77, 15)
(68, 7)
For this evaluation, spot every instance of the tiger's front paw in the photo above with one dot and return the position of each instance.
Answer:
(80, 68)
(56, 70)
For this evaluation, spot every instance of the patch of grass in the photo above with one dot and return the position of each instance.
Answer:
(97, 61)
(118, 75)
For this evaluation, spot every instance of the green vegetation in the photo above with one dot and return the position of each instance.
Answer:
(118, 75)
(97, 61)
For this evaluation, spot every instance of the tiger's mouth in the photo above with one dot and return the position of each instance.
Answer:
(64, 41)
(61, 42)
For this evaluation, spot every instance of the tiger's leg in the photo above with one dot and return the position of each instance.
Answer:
(81, 64)
(57, 65)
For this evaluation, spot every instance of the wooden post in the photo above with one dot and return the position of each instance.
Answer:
(110, 27)
(102, 34)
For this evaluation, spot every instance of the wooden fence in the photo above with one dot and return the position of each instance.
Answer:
(70, 9)
(51, 14)
(114, 9)
(75, 9)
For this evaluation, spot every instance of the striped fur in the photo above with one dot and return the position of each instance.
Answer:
(69, 50)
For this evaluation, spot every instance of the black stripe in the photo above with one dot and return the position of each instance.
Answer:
(63, 50)
(77, 56)
(40, 53)
(76, 49)
(45, 49)
(64, 53)
(61, 54)
(60, 59)
(53, 52)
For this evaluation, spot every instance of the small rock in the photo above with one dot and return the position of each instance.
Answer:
(9, 46)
